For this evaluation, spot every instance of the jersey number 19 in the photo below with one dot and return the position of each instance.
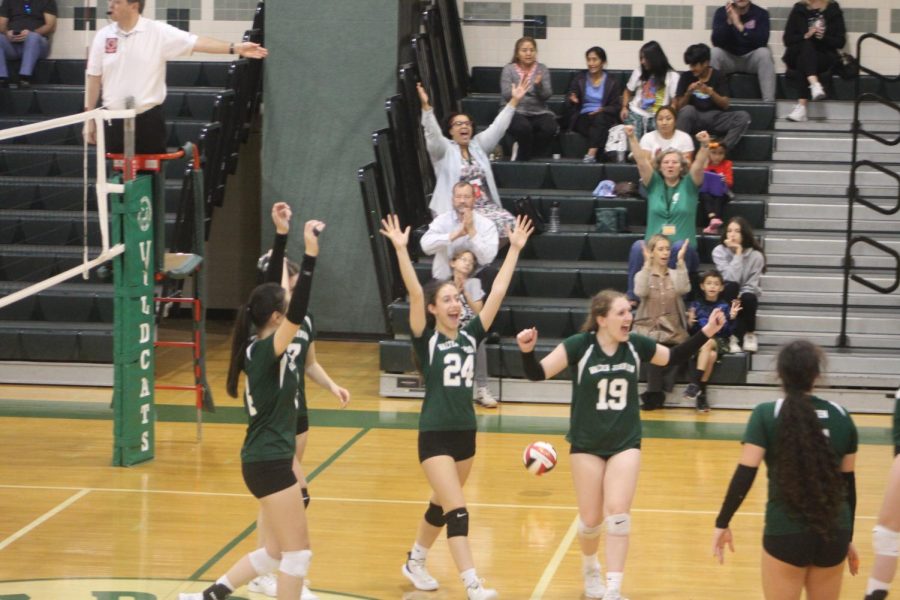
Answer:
(612, 394)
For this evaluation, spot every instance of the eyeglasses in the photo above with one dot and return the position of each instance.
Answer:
(460, 123)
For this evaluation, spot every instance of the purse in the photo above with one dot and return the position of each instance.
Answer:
(525, 207)
(848, 66)
(611, 219)
(626, 189)
(664, 329)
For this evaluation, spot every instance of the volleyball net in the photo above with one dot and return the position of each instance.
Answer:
(64, 217)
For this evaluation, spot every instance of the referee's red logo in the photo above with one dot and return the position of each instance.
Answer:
(112, 44)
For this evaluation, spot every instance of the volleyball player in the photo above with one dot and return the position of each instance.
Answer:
(809, 446)
(886, 535)
(270, 398)
(446, 356)
(277, 269)
(605, 425)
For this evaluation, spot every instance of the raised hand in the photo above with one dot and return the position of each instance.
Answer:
(646, 252)
(735, 308)
(682, 251)
(692, 315)
(521, 233)
(703, 137)
(629, 129)
(527, 339)
(518, 92)
(423, 95)
(390, 228)
(281, 217)
(722, 538)
(311, 231)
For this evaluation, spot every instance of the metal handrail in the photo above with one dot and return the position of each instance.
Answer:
(864, 239)
(469, 20)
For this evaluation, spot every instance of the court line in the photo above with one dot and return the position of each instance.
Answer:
(44, 517)
(550, 570)
(562, 507)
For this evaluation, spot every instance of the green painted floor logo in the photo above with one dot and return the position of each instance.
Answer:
(123, 589)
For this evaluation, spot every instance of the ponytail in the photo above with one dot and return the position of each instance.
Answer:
(265, 299)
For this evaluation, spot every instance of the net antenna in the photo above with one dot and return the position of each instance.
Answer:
(103, 188)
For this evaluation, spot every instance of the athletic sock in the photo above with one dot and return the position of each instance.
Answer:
(590, 562)
(418, 552)
(875, 585)
(614, 581)
(469, 577)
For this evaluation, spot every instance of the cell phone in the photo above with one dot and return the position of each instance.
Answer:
(16, 32)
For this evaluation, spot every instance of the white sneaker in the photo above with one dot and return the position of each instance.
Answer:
(306, 593)
(751, 344)
(265, 584)
(485, 398)
(593, 584)
(191, 596)
(479, 592)
(415, 571)
(816, 91)
(798, 115)
(733, 346)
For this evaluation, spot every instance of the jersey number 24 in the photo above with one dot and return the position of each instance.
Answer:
(456, 370)
(612, 394)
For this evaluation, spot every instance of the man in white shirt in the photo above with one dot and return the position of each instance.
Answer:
(128, 60)
(460, 229)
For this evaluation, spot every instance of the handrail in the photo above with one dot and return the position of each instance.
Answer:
(853, 196)
(469, 20)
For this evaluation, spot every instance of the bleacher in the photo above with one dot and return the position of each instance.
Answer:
(42, 227)
(791, 183)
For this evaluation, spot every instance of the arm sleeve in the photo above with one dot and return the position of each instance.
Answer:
(759, 36)
(508, 77)
(897, 424)
(836, 30)
(741, 482)
(613, 101)
(300, 298)
(486, 242)
(642, 282)
(755, 271)
(794, 29)
(435, 142)
(728, 264)
(473, 288)
(176, 42)
(533, 369)
(722, 32)
(684, 351)
(545, 90)
(276, 260)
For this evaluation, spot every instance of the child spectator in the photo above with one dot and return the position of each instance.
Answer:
(649, 88)
(471, 296)
(712, 284)
(741, 261)
(716, 188)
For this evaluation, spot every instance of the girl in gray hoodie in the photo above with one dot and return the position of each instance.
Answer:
(741, 260)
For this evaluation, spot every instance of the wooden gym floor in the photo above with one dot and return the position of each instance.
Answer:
(72, 527)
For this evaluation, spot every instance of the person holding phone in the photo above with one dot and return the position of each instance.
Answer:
(740, 38)
(25, 28)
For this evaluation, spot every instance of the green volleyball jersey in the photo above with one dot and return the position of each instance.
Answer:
(270, 401)
(605, 412)
(299, 350)
(449, 368)
(762, 431)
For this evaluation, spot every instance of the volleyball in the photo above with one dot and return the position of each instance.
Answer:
(539, 458)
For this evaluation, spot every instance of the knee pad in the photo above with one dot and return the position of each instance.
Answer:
(589, 533)
(619, 524)
(295, 563)
(306, 497)
(434, 516)
(885, 542)
(457, 522)
(262, 562)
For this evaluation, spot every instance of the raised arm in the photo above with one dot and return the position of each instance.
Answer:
(296, 311)
(210, 45)
(549, 366)
(281, 218)
(435, 142)
(390, 228)
(641, 156)
(701, 160)
(517, 239)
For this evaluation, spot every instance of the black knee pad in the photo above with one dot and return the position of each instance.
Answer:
(306, 497)
(457, 522)
(435, 515)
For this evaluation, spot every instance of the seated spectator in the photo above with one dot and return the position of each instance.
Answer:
(595, 102)
(740, 37)
(464, 157)
(533, 124)
(711, 284)
(702, 100)
(25, 28)
(672, 195)
(741, 261)
(666, 136)
(460, 229)
(717, 185)
(649, 88)
(661, 315)
(471, 296)
(813, 36)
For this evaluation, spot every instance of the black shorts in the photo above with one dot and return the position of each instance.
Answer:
(268, 476)
(458, 445)
(149, 133)
(809, 548)
(576, 450)
(302, 424)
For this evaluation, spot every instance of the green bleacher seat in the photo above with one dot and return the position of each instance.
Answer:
(550, 321)
(521, 175)
(54, 103)
(555, 246)
(743, 85)
(548, 282)
(611, 246)
(66, 307)
(48, 344)
(594, 280)
(575, 176)
(69, 72)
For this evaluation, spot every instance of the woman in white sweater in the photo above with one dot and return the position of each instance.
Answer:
(464, 157)
(741, 261)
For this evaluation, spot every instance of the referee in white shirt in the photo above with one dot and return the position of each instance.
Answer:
(128, 59)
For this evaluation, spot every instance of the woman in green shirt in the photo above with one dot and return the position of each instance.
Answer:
(446, 355)
(809, 446)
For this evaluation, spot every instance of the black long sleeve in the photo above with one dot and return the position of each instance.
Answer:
(741, 482)
(300, 299)
(276, 259)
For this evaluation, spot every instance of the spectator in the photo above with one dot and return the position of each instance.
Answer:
(813, 36)
(672, 185)
(711, 284)
(465, 158)
(127, 59)
(461, 228)
(740, 37)
(702, 102)
(649, 88)
(661, 315)
(717, 185)
(533, 124)
(741, 261)
(25, 28)
(471, 298)
(597, 103)
(667, 137)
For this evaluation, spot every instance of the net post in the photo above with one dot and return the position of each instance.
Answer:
(128, 141)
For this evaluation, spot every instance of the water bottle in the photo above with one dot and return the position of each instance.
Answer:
(553, 226)
(620, 156)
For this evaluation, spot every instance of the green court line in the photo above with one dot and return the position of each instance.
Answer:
(370, 419)
(243, 535)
